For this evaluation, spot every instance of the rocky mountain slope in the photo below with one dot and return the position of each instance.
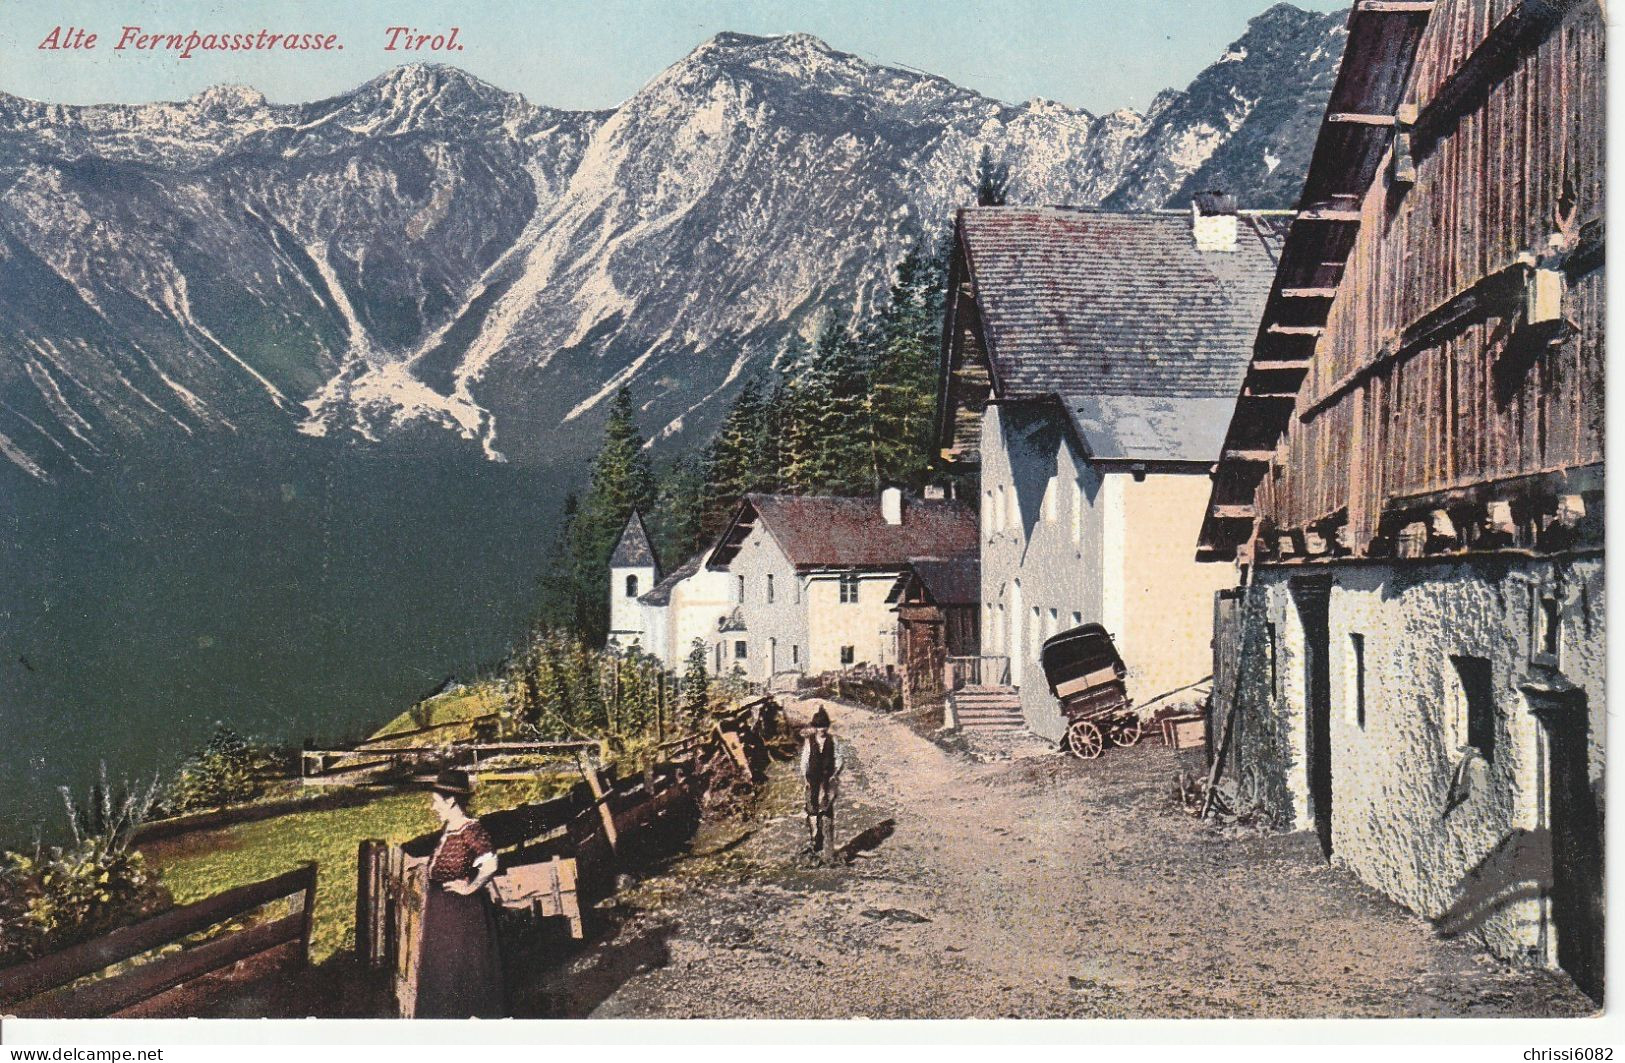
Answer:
(429, 251)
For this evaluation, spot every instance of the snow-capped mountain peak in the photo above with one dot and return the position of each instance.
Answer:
(432, 252)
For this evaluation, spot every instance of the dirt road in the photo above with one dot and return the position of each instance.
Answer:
(1033, 887)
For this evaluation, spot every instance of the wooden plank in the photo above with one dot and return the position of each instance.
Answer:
(1294, 330)
(1352, 118)
(1308, 293)
(1233, 512)
(1329, 214)
(412, 882)
(47, 972)
(106, 996)
(606, 815)
(736, 749)
(371, 863)
(1394, 7)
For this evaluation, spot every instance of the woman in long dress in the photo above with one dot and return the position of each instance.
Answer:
(460, 974)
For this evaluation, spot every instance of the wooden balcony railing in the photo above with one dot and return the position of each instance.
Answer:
(980, 671)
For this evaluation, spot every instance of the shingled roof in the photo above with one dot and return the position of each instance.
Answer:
(660, 593)
(634, 549)
(1078, 301)
(821, 531)
(947, 580)
(1149, 428)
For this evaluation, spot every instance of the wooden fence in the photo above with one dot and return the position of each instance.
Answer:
(60, 985)
(342, 766)
(559, 856)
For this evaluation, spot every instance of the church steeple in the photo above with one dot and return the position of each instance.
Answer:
(634, 550)
(633, 572)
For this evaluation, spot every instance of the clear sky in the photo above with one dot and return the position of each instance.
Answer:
(1096, 54)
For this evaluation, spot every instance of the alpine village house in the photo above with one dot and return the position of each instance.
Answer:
(1411, 485)
(794, 584)
(1089, 368)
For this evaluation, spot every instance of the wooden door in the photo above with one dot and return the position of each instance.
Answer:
(1576, 827)
(1313, 597)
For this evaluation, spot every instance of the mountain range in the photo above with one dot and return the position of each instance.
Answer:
(291, 394)
(429, 250)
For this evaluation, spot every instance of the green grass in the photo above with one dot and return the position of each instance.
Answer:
(463, 706)
(195, 866)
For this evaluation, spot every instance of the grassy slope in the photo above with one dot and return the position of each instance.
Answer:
(199, 865)
(458, 707)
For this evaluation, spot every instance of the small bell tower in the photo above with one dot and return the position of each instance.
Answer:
(633, 572)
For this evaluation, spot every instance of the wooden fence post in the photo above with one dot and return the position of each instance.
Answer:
(371, 929)
(606, 814)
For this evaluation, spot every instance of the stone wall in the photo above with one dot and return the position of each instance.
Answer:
(1464, 840)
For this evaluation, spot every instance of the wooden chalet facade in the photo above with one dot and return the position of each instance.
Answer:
(1411, 485)
(938, 603)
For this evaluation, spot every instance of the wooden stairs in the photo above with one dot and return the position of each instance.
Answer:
(986, 708)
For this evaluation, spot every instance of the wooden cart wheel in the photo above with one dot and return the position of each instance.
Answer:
(1129, 734)
(1085, 740)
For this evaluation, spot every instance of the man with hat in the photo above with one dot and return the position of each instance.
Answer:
(821, 764)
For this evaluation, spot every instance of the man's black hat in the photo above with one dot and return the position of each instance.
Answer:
(820, 718)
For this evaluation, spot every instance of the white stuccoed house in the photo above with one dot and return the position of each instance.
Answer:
(1090, 367)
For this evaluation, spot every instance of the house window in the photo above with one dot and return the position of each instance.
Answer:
(739, 589)
(1357, 676)
(1054, 624)
(1478, 694)
(1275, 675)
(795, 654)
(849, 588)
(631, 586)
(1077, 619)
(849, 654)
(1551, 629)
(741, 649)
(1077, 511)
(770, 587)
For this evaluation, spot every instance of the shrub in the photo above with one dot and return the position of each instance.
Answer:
(61, 895)
(228, 770)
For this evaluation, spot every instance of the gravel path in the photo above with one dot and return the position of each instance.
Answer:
(1034, 886)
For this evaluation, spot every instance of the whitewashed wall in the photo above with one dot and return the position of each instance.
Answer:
(1392, 775)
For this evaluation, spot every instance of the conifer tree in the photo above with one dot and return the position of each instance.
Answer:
(622, 481)
(903, 344)
(696, 685)
(992, 180)
(734, 459)
(679, 522)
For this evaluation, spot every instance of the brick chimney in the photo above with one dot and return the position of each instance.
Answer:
(891, 505)
(1213, 221)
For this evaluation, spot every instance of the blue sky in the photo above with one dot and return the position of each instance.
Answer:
(1097, 54)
